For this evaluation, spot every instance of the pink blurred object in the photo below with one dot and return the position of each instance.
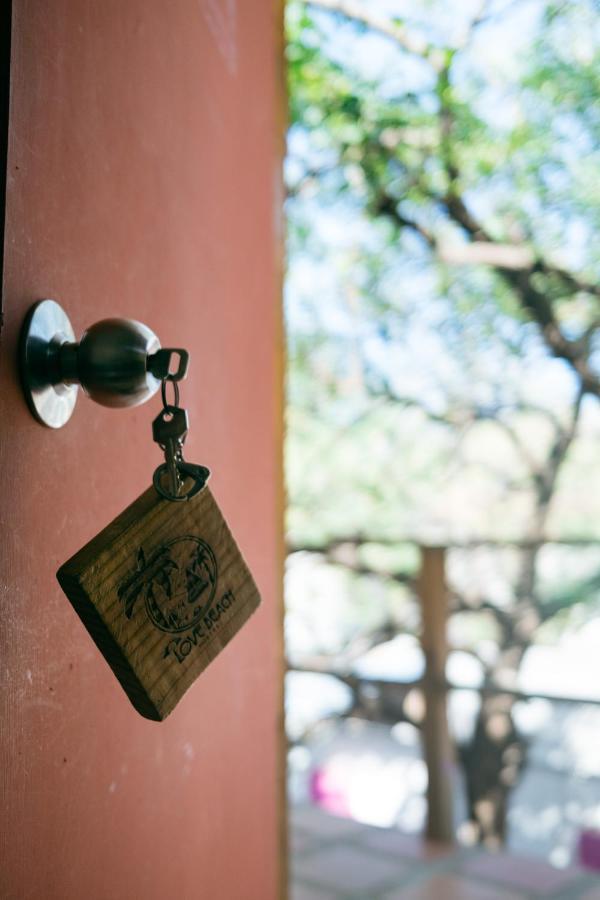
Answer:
(589, 849)
(327, 791)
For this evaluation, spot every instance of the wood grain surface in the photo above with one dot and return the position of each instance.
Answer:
(161, 590)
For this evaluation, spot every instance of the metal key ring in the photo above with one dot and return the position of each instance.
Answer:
(200, 475)
(163, 392)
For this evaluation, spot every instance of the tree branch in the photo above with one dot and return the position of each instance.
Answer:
(360, 13)
(486, 253)
(520, 280)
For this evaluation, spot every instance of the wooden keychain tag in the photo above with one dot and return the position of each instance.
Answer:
(161, 590)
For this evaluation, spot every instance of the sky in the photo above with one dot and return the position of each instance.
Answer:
(317, 281)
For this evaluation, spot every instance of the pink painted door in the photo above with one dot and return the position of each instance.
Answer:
(143, 181)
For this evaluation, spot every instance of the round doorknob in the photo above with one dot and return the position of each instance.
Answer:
(110, 362)
(117, 362)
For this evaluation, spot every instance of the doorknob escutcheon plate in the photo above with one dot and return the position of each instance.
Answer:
(46, 329)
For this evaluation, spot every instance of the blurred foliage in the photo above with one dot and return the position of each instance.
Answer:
(443, 309)
(423, 396)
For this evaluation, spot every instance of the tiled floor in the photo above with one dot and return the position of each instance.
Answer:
(336, 859)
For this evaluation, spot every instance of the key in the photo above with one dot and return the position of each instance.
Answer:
(160, 362)
(169, 430)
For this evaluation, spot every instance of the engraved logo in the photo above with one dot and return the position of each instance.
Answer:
(177, 582)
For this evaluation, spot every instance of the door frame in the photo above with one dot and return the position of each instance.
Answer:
(5, 37)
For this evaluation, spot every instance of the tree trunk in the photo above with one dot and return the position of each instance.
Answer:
(492, 761)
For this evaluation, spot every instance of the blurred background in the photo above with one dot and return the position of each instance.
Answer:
(443, 419)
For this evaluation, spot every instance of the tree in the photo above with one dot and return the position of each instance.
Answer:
(455, 180)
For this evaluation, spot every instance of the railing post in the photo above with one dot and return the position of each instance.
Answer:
(437, 746)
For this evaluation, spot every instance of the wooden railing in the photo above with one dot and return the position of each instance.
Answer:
(438, 748)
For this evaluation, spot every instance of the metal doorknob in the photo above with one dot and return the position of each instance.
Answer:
(117, 362)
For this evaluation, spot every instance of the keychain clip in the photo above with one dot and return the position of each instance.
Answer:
(169, 431)
(200, 475)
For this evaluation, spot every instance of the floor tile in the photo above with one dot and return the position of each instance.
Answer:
(592, 893)
(387, 840)
(520, 872)
(302, 892)
(300, 841)
(320, 823)
(332, 857)
(346, 868)
(452, 887)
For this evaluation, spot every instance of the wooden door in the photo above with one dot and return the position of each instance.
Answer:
(142, 181)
